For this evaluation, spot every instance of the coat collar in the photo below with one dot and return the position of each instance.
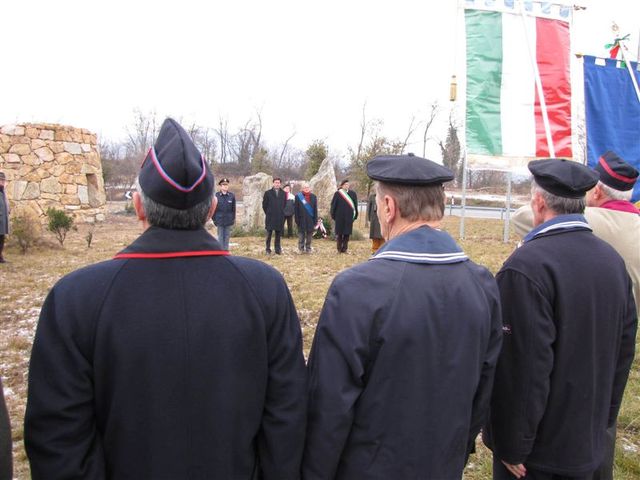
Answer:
(559, 224)
(422, 245)
(620, 206)
(158, 242)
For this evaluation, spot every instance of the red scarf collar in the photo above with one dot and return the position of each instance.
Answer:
(620, 206)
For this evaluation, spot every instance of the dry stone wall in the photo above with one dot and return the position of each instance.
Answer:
(49, 165)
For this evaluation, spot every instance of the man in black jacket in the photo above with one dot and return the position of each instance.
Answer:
(225, 214)
(6, 464)
(569, 337)
(344, 211)
(273, 202)
(402, 362)
(174, 360)
(306, 213)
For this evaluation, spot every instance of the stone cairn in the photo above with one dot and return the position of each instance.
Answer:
(50, 165)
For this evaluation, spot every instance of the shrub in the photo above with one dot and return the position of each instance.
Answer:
(25, 229)
(89, 236)
(59, 223)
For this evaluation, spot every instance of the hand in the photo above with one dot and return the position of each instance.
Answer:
(517, 471)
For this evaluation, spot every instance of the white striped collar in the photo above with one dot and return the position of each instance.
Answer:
(422, 245)
(561, 222)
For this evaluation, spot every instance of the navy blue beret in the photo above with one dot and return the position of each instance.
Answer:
(615, 172)
(174, 173)
(563, 178)
(407, 169)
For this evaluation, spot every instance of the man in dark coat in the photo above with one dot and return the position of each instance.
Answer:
(4, 215)
(569, 337)
(344, 211)
(374, 225)
(403, 357)
(306, 213)
(289, 209)
(6, 463)
(273, 202)
(225, 214)
(174, 360)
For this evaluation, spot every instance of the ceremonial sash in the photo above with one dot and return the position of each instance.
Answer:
(307, 205)
(349, 200)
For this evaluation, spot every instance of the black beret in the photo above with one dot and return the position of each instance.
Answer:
(615, 172)
(174, 173)
(563, 178)
(407, 169)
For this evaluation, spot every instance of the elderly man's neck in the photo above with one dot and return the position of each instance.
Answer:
(403, 226)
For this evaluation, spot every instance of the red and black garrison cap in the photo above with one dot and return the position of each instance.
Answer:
(615, 172)
(174, 173)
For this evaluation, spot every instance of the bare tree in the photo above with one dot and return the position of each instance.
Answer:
(142, 133)
(412, 128)
(280, 161)
(223, 137)
(432, 116)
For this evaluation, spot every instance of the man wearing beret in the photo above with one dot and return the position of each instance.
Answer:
(404, 354)
(174, 360)
(569, 337)
(225, 214)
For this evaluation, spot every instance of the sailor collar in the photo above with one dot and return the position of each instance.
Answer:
(422, 245)
(158, 242)
(561, 223)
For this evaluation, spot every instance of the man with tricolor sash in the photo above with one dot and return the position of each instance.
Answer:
(404, 353)
(344, 211)
(174, 360)
(569, 337)
(306, 216)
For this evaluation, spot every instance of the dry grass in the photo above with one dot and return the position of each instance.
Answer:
(27, 279)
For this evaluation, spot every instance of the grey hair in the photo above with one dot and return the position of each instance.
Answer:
(559, 205)
(614, 194)
(415, 202)
(162, 216)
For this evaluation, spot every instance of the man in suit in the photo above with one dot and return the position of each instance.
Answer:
(273, 203)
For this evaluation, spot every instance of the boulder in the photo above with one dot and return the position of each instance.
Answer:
(253, 189)
(324, 185)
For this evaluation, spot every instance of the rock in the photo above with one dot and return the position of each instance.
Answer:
(324, 185)
(83, 194)
(46, 135)
(85, 147)
(11, 158)
(45, 154)
(20, 149)
(56, 147)
(73, 148)
(36, 144)
(12, 130)
(253, 189)
(64, 158)
(31, 160)
(4, 147)
(32, 132)
(50, 185)
(31, 192)
(19, 186)
(100, 217)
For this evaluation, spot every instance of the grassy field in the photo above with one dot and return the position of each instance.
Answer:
(26, 280)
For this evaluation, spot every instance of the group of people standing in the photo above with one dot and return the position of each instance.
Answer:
(176, 360)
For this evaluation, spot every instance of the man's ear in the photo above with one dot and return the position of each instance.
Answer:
(138, 207)
(390, 208)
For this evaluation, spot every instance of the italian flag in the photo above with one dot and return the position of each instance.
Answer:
(503, 113)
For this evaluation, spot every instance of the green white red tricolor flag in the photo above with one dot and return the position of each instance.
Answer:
(506, 41)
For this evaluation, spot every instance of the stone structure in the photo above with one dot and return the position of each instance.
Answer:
(50, 165)
(324, 185)
(253, 189)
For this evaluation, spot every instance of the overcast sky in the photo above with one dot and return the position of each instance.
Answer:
(307, 66)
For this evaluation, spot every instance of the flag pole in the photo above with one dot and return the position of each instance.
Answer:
(630, 70)
(543, 104)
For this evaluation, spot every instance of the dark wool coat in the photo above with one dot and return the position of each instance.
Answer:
(4, 213)
(372, 216)
(273, 207)
(167, 368)
(6, 470)
(289, 205)
(569, 324)
(402, 364)
(342, 213)
(225, 214)
(304, 221)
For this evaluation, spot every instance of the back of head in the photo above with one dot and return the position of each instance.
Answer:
(415, 183)
(562, 183)
(175, 182)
